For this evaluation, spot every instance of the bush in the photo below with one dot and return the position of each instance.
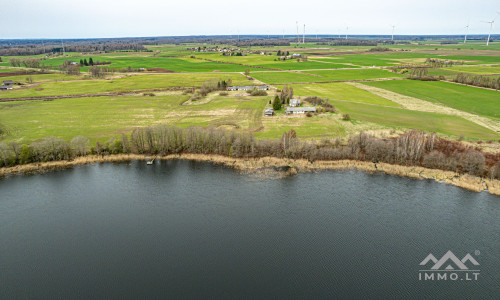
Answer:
(256, 92)
(223, 93)
(346, 117)
(149, 94)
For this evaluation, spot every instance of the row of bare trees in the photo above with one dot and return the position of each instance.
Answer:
(28, 62)
(491, 82)
(411, 148)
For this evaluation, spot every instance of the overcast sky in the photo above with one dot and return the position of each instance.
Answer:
(131, 18)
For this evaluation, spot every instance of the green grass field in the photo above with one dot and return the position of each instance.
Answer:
(341, 91)
(470, 99)
(401, 118)
(132, 83)
(100, 118)
(326, 74)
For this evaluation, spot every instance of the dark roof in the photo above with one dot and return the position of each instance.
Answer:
(3, 87)
(8, 82)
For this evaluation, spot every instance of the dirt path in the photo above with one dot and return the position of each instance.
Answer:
(412, 103)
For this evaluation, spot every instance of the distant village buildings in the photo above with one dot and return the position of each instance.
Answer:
(295, 55)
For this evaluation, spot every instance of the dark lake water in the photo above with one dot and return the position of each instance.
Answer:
(182, 229)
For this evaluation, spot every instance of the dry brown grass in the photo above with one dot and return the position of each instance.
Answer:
(277, 167)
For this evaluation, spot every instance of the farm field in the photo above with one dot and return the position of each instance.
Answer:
(328, 72)
(131, 83)
(470, 99)
(341, 91)
(402, 118)
(100, 118)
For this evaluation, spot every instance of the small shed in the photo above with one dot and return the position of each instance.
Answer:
(300, 110)
(9, 84)
(294, 102)
(269, 112)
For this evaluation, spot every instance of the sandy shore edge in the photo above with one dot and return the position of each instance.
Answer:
(284, 166)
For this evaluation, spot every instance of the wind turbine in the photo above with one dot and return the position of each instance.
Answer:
(346, 30)
(491, 27)
(298, 37)
(304, 35)
(466, 32)
(392, 37)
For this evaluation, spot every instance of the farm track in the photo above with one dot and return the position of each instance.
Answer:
(412, 103)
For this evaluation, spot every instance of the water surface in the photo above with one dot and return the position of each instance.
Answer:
(192, 230)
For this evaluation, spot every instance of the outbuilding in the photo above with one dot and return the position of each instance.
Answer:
(248, 87)
(269, 112)
(294, 102)
(9, 84)
(300, 110)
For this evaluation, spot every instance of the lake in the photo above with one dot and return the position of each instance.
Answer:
(182, 229)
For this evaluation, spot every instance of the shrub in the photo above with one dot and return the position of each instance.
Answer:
(223, 93)
(256, 92)
(346, 117)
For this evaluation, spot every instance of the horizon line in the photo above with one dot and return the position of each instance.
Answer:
(251, 34)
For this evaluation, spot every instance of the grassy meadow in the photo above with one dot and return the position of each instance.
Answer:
(325, 73)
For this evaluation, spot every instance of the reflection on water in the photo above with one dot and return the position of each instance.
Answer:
(192, 230)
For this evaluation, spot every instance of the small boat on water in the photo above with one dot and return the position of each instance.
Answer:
(150, 162)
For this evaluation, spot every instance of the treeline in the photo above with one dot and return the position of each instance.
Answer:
(39, 49)
(379, 49)
(490, 82)
(413, 148)
(351, 42)
(259, 42)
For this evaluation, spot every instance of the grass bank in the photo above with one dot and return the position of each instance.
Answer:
(285, 167)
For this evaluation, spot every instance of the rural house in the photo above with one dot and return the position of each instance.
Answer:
(248, 87)
(294, 102)
(300, 110)
(269, 112)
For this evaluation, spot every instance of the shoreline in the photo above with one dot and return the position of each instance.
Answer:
(283, 166)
